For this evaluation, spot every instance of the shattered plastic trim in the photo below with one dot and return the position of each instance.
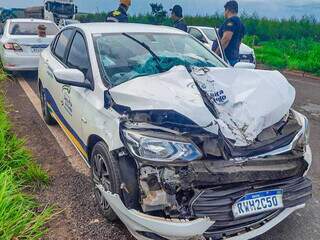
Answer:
(173, 229)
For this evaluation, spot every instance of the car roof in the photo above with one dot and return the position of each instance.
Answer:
(201, 27)
(96, 28)
(18, 20)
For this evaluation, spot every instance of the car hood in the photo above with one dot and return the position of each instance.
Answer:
(247, 101)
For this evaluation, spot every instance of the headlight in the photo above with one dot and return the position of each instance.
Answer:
(158, 149)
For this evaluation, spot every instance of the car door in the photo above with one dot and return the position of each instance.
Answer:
(54, 59)
(74, 98)
(197, 34)
(218, 41)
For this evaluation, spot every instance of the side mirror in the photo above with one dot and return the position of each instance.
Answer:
(245, 65)
(73, 77)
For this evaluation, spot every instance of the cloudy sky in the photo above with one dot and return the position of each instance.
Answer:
(268, 8)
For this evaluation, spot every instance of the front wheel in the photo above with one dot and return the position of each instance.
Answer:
(105, 171)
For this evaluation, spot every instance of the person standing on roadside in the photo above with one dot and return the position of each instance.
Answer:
(120, 14)
(230, 33)
(177, 17)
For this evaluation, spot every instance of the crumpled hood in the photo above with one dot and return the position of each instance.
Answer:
(247, 101)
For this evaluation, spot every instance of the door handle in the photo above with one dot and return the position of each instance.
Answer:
(84, 120)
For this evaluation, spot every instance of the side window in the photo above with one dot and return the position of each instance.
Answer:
(62, 43)
(53, 43)
(78, 56)
(197, 34)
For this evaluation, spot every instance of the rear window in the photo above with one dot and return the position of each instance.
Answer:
(31, 28)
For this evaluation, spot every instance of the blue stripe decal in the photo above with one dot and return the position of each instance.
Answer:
(62, 119)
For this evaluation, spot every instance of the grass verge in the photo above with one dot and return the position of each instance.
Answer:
(302, 54)
(20, 215)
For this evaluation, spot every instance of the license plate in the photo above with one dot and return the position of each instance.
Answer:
(245, 60)
(254, 203)
(37, 50)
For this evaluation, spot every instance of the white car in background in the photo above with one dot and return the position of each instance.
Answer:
(66, 22)
(20, 45)
(180, 144)
(207, 36)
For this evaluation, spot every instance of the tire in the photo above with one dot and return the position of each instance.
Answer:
(105, 171)
(44, 107)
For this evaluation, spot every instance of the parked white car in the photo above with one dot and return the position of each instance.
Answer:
(20, 45)
(180, 145)
(207, 36)
(66, 22)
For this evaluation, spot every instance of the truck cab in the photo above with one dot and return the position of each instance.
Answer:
(59, 9)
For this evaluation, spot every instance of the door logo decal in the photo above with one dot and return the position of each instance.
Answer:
(67, 103)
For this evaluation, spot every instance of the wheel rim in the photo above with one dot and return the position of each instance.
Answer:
(101, 176)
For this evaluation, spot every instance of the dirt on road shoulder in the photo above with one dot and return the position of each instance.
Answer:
(70, 191)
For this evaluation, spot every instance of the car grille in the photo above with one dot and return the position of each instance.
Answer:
(217, 204)
(246, 58)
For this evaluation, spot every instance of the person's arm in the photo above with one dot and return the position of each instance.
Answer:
(226, 38)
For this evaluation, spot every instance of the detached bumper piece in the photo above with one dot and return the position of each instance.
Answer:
(144, 226)
(217, 204)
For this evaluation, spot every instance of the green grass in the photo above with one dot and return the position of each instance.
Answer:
(302, 55)
(20, 215)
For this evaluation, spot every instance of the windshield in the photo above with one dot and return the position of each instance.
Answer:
(210, 33)
(122, 59)
(31, 28)
(62, 8)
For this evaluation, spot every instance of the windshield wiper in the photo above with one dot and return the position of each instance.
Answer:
(144, 45)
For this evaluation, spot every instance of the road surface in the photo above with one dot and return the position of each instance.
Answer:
(71, 190)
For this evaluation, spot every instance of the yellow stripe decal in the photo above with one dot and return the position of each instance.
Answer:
(68, 133)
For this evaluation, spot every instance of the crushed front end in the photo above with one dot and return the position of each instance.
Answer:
(197, 183)
(194, 177)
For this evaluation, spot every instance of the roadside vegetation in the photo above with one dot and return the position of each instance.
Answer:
(292, 44)
(20, 215)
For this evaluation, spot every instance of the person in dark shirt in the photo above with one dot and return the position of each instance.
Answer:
(177, 17)
(231, 33)
(120, 15)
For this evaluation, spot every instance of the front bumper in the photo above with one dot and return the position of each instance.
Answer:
(19, 61)
(140, 224)
(146, 227)
(216, 226)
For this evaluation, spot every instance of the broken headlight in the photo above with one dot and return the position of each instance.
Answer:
(152, 148)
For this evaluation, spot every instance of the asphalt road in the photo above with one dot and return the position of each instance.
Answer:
(305, 223)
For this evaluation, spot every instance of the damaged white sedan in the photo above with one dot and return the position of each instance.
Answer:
(181, 146)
